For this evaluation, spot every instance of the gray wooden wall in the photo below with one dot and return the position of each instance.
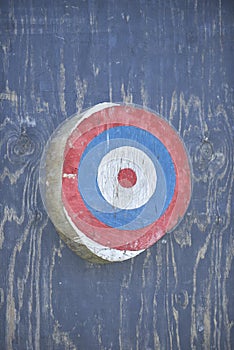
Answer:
(59, 57)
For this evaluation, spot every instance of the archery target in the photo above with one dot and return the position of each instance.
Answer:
(125, 180)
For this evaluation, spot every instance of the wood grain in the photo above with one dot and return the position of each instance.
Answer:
(61, 57)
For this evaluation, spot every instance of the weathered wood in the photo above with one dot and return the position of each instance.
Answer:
(61, 57)
(100, 219)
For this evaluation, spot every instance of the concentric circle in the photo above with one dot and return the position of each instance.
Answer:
(125, 179)
(112, 166)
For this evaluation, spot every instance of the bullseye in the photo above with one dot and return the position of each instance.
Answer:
(127, 177)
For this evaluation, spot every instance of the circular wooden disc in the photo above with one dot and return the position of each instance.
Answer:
(114, 180)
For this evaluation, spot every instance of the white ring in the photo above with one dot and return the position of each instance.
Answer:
(107, 179)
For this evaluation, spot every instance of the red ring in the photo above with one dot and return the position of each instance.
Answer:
(73, 203)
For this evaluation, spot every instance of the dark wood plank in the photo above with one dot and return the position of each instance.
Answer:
(59, 57)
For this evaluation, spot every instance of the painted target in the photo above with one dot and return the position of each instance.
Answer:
(125, 180)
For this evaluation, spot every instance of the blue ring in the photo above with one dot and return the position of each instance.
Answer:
(87, 173)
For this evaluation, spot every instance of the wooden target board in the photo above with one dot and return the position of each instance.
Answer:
(114, 180)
